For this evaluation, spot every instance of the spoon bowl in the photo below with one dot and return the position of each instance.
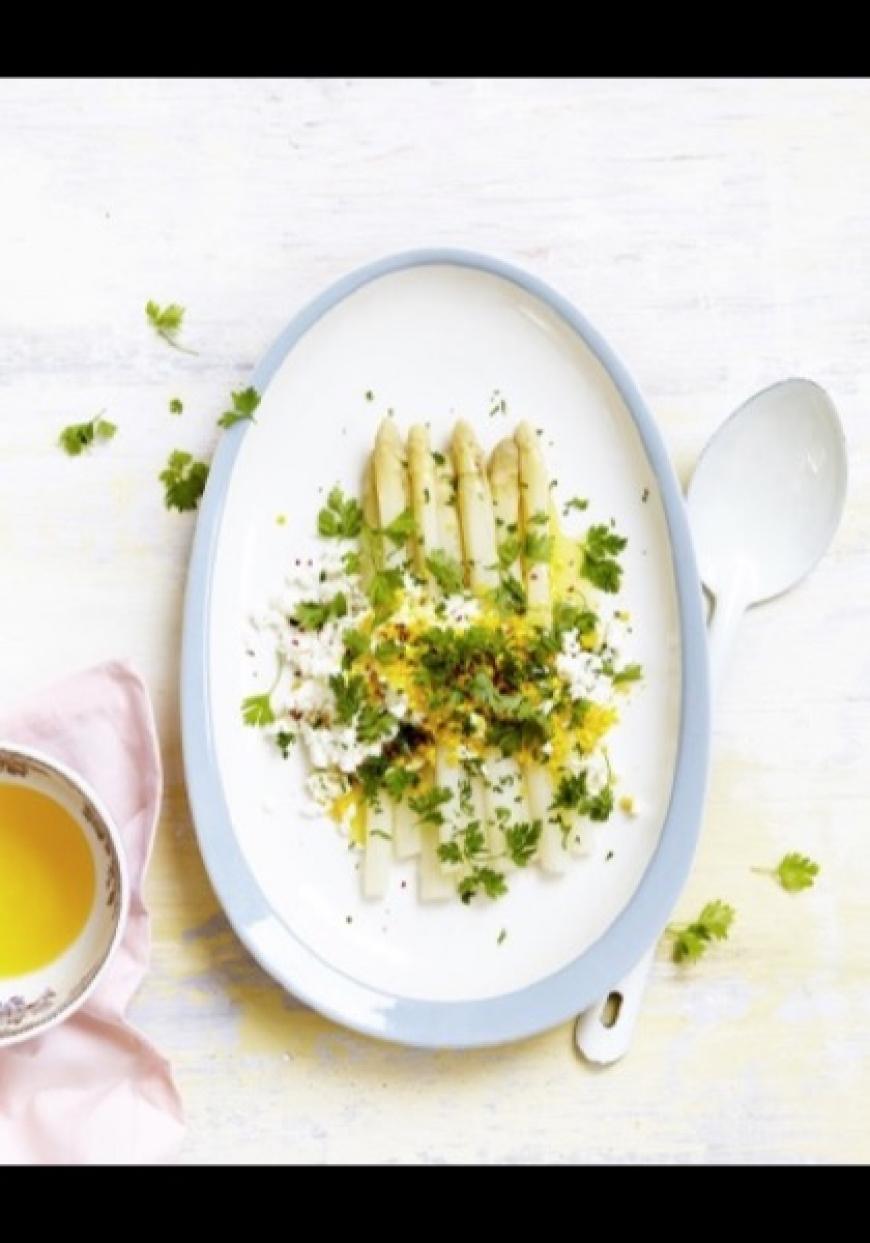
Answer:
(768, 491)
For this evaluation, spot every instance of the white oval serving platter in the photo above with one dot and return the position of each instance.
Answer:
(433, 336)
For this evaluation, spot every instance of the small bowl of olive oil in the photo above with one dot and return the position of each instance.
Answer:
(63, 892)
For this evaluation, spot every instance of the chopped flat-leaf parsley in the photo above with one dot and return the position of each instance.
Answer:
(176, 405)
(341, 518)
(314, 614)
(428, 805)
(446, 571)
(522, 842)
(600, 566)
(487, 879)
(349, 695)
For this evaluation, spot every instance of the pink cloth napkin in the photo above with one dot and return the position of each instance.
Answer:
(92, 1089)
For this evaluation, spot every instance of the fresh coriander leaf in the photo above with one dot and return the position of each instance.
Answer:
(796, 872)
(350, 562)
(77, 437)
(717, 917)
(689, 945)
(446, 571)
(601, 541)
(691, 941)
(601, 547)
(244, 405)
(175, 405)
(314, 614)
(184, 480)
(257, 710)
(341, 518)
(167, 321)
(438, 458)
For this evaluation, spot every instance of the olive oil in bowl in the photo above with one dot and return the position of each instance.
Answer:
(47, 879)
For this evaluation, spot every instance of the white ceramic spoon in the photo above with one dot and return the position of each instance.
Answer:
(764, 503)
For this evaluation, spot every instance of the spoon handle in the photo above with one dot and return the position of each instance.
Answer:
(603, 1033)
(731, 602)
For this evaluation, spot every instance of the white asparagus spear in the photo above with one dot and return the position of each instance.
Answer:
(370, 544)
(424, 498)
(504, 481)
(393, 499)
(446, 494)
(379, 818)
(477, 519)
(536, 527)
(379, 847)
(424, 506)
(504, 794)
(505, 488)
(425, 494)
(435, 884)
(534, 514)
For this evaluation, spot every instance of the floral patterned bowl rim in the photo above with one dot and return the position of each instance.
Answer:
(51, 1008)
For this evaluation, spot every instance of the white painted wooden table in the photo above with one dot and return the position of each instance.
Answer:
(718, 233)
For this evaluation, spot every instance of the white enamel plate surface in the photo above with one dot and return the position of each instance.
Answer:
(432, 336)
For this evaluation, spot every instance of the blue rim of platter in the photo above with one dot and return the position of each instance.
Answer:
(561, 995)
